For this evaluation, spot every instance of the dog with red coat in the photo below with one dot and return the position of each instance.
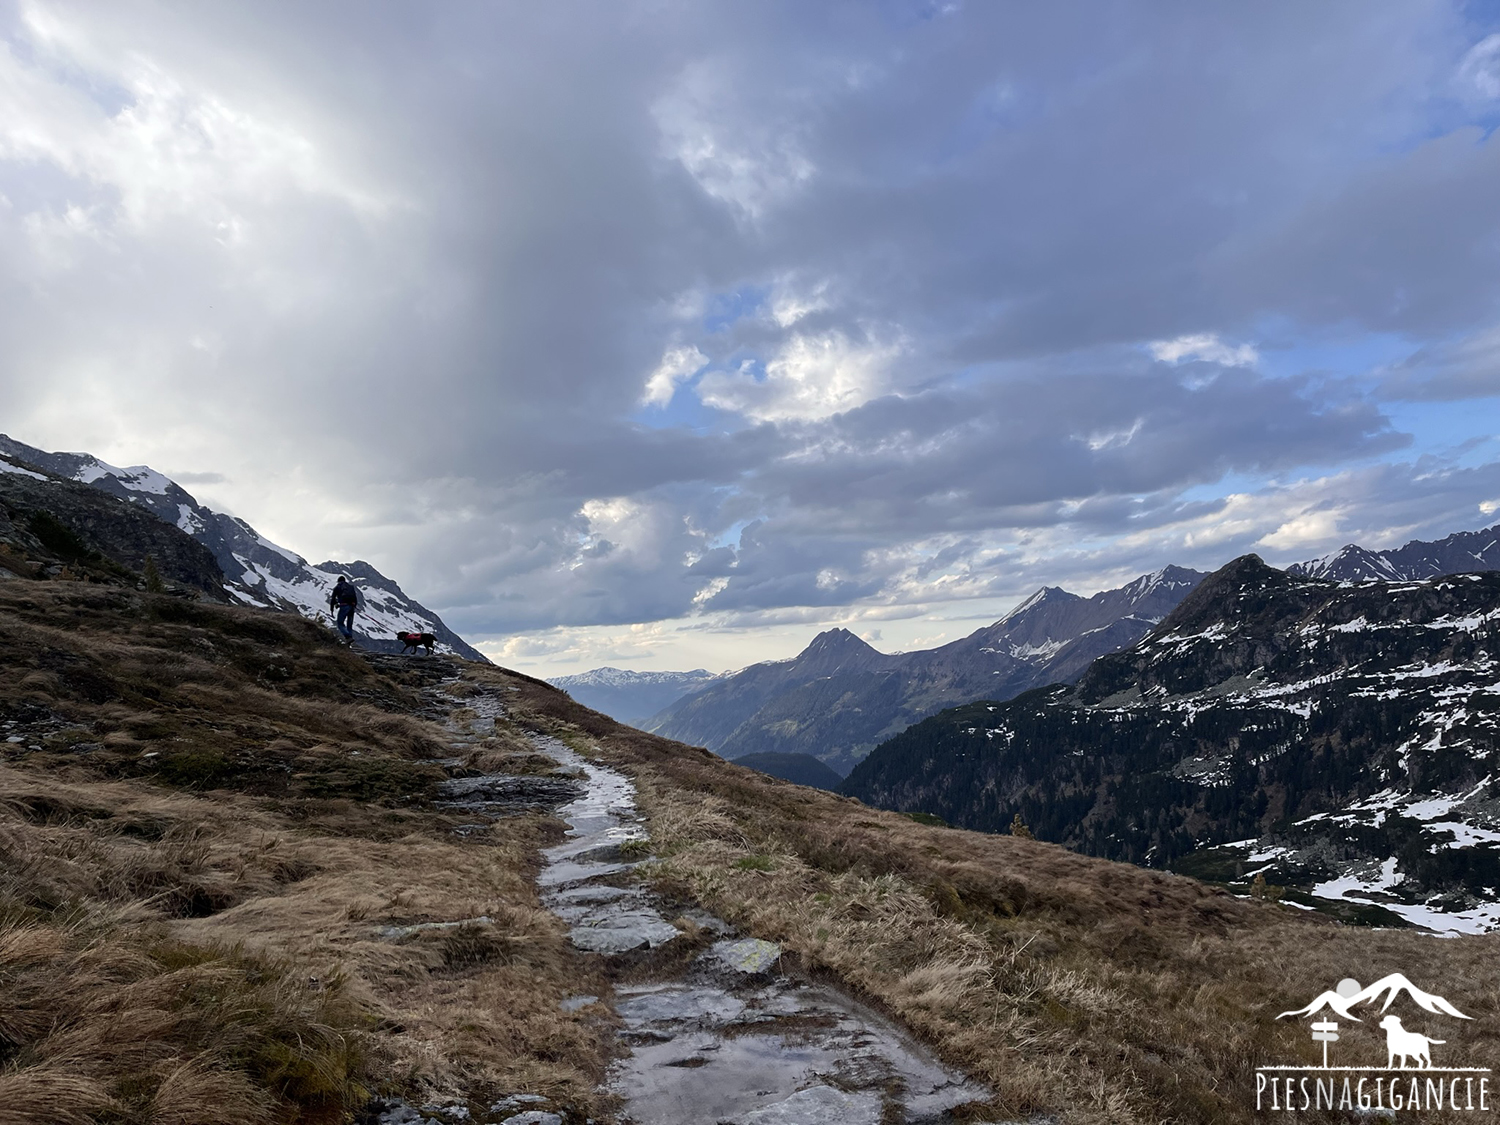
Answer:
(410, 642)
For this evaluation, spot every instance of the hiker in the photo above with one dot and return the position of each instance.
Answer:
(344, 601)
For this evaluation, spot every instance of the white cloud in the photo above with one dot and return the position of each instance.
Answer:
(1480, 70)
(751, 161)
(1204, 346)
(1303, 531)
(709, 589)
(176, 147)
(631, 532)
(677, 364)
(788, 305)
(812, 377)
(1113, 439)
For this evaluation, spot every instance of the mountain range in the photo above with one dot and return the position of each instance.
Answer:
(631, 697)
(1340, 738)
(839, 697)
(255, 571)
(1460, 552)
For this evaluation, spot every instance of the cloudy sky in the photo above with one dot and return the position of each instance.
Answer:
(665, 334)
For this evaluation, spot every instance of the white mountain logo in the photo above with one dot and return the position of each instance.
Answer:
(1393, 1086)
(1348, 993)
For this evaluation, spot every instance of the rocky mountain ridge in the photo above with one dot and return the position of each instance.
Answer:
(1339, 738)
(840, 697)
(1459, 553)
(256, 571)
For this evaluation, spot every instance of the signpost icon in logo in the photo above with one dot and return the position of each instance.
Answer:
(1327, 1031)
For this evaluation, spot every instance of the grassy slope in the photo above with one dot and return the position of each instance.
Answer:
(1099, 991)
(194, 867)
(226, 807)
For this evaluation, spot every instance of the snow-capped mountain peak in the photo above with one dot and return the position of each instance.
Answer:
(632, 696)
(612, 677)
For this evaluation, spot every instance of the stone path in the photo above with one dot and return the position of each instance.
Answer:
(733, 1039)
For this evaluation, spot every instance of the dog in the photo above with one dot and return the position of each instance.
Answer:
(1406, 1044)
(410, 642)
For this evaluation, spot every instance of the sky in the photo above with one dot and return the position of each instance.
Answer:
(665, 334)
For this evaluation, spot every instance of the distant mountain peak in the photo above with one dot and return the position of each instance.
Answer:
(1349, 562)
(610, 676)
(1046, 595)
(631, 697)
(836, 640)
(1221, 596)
(839, 697)
(838, 650)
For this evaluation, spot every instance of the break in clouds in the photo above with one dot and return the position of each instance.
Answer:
(581, 315)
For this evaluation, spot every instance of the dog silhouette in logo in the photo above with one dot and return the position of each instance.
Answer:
(1406, 1044)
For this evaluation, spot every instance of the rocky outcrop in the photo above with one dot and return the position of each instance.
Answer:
(62, 522)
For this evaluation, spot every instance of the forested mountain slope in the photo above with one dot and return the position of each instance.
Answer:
(1354, 730)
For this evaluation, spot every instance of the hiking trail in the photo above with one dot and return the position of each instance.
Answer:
(733, 1038)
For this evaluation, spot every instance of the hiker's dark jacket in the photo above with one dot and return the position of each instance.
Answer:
(344, 593)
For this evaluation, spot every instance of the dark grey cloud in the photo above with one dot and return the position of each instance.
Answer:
(394, 279)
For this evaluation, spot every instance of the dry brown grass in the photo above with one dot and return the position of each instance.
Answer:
(1097, 991)
(197, 870)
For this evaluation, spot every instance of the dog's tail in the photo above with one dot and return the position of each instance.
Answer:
(1437, 1040)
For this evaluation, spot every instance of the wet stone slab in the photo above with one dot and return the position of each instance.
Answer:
(747, 955)
(818, 1104)
(505, 792)
(761, 1049)
(680, 1006)
(621, 933)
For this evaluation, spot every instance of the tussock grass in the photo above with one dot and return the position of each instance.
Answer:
(1096, 991)
(103, 1019)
